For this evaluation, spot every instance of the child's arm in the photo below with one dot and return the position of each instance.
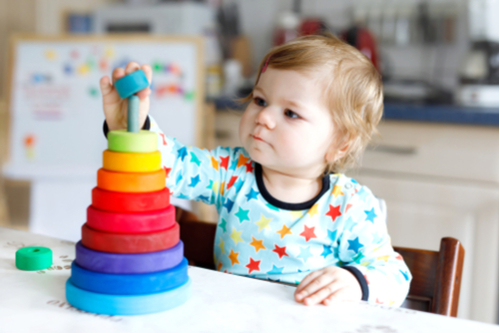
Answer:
(364, 246)
(115, 108)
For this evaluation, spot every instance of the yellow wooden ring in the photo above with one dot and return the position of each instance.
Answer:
(131, 162)
(129, 142)
(131, 182)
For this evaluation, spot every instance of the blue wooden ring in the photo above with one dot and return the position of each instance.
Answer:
(118, 263)
(129, 284)
(131, 83)
(123, 305)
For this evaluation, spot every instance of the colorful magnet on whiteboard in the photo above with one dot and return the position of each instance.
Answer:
(33, 258)
(118, 263)
(132, 182)
(123, 202)
(123, 305)
(130, 243)
(129, 284)
(131, 83)
(127, 142)
(131, 222)
(131, 162)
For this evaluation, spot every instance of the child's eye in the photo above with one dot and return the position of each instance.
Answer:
(291, 114)
(259, 101)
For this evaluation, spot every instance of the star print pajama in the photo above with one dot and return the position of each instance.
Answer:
(262, 237)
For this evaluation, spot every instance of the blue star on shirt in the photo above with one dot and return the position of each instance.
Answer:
(362, 194)
(242, 214)
(326, 251)
(234, 163)
(405, 274)
(252, 194)
(229, 205)
(182, 196)
(332, 234)
(276, 270)
(238, 184)
(204, 198)
(195, 159)
(194, 181)
(179, 178)
(370, 215)
(355, 245)
(181, 153)
(305, 253)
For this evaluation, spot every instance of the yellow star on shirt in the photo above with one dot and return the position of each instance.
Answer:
(215, 164)
(222, 188)
(236, 236)
(233, 256)
(284, 231)
(313, 210)
(384, 258)
(263, 223)
(297, 214)
(337, 191)
(257, 244)
(221, 245)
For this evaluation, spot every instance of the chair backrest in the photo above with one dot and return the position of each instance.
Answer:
(436, 275)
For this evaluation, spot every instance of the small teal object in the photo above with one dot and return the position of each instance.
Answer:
(133, 114)
(127, 304)
(131, 83)
(33, 258)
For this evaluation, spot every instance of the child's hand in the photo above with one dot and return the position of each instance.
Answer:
(115, 108)
(327, 285)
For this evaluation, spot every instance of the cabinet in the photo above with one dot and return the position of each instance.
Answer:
(437, 180)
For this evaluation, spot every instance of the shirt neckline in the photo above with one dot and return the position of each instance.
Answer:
(325, 184)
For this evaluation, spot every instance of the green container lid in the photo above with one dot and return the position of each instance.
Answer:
(33, 258)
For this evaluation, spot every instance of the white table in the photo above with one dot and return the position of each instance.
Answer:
(35, 302)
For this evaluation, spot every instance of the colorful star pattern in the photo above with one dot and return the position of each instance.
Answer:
(272, 242)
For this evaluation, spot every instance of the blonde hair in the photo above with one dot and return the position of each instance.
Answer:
(354, 89)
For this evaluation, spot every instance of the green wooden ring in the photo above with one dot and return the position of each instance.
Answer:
(33, 258)
(128, 142)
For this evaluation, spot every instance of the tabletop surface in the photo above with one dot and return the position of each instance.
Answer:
(36, 302)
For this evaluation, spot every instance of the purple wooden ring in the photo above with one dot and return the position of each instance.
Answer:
(118, 263)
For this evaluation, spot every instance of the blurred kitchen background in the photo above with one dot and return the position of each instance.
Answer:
(435, 161)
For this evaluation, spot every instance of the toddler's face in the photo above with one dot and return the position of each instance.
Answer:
(287, 126)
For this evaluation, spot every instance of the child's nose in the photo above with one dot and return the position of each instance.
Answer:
(266, 118)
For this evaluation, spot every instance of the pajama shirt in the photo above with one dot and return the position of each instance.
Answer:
(261, 237)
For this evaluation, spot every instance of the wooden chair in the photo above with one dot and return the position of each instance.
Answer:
(436, 280)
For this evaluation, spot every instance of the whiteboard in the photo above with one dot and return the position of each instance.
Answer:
(55, 104)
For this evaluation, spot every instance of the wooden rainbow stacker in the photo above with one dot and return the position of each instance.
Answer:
(130, 260)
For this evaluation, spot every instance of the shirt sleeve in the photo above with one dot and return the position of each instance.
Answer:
(366, 245)
(194, 173)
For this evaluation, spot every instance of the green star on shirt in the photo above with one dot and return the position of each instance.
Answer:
(242, 214)
(195, 159)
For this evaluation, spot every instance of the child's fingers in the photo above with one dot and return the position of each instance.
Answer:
(322, 293)
(105, 85)
(148, 71)
(316, 284)
(339, 295)
(131, 67)
(144, 93)
(117, 74)
(305, 281)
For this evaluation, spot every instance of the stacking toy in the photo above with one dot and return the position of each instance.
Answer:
(130, 259)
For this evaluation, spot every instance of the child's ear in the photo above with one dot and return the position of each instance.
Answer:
(337, 151)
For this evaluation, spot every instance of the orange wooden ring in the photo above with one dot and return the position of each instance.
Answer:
(130, 243)
(131, 182)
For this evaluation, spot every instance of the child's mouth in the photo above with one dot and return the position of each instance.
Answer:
(257, 138)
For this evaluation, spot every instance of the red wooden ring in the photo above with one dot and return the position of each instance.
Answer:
(130, 222)
(130, 243)
(123, 202)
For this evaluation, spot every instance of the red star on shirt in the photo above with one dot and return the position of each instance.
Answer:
(347, 207)
(253, 266)
(334, 212)
(163, 137)
(399, 257)
(308, 233)
(167, 171)
(224, 161)
(281, 251)
(249, 167)
(231, 182)
(366, 278)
